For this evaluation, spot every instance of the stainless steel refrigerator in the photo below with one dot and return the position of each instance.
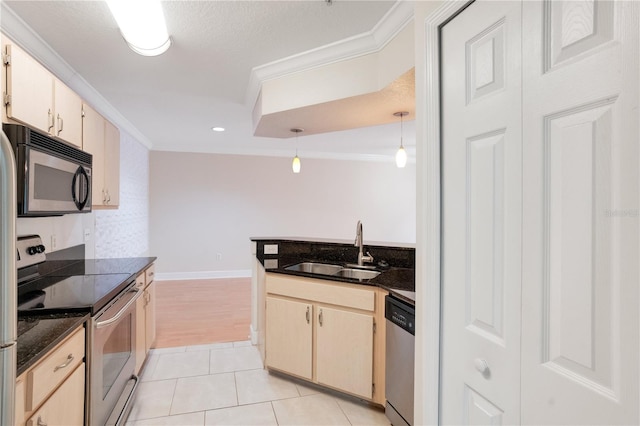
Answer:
(8, 286)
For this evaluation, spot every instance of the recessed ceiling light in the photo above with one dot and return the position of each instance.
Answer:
(218, 129)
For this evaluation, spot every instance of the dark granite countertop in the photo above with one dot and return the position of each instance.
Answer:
(128, 265)
(38, 334)
(396, 263)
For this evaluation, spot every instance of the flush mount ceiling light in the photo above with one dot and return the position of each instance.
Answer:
(295, 165)
(401, 155)
(142, 25)
(218, 129)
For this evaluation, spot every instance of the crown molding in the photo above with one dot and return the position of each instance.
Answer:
(394, 21)
(17, 30)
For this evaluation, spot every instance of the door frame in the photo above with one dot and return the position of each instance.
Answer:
(429, 224)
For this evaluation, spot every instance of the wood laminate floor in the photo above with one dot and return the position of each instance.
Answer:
(198, 312)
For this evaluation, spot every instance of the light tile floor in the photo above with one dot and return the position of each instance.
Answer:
(225, 384)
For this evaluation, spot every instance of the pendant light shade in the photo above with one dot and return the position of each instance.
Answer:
(142, 25)
(401, 155)
(295, 165)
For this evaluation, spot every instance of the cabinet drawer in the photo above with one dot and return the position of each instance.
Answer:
(149, 273)
(20, 402)
(51, 371)
(66, 405)
(140, 281)
(347, 295)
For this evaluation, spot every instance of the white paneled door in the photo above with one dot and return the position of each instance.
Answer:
(481, 154)
(540, 213)
(580, 255)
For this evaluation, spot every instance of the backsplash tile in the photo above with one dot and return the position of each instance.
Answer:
(125, 232)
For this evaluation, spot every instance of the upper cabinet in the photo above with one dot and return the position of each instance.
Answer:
(111, 164)
(68, 113)
(35, 97)
(102, 140)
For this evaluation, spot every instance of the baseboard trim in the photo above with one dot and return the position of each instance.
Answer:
(202, 275)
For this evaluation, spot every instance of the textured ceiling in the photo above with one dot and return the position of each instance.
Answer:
(201, 81)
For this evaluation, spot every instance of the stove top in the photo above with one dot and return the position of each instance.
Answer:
(54, 285)
(88, 293)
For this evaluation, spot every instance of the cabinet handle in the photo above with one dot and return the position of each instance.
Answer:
(320, 318)
(60, 124)
(65, 364)
(308, 319)
(40, 422)
(50, 120)
(104, 197)
(108, 197)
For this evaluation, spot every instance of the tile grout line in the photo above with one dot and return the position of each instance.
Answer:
(235, 382)
(275, 415)
(173, 396)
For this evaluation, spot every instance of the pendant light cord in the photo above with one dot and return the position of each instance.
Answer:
(401, 130)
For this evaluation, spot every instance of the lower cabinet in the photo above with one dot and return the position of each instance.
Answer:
(52, 392)
(65, 406)
(327, 332)
(344, 355)
(289, 336)
(150, 316)
(145, 316)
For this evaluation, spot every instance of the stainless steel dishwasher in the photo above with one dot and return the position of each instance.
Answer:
(400, 351)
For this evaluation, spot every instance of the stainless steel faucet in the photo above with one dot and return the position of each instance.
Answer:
(361, 256)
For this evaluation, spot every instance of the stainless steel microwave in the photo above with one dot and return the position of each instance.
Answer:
(54, 178)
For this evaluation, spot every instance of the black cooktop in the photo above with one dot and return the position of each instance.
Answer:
(88, 293)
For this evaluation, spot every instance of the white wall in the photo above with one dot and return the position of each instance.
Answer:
(112, 233)
(202, 205)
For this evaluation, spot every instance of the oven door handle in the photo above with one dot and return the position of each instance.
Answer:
(136, 293)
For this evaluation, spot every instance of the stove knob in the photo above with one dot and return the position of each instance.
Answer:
(32, 250)
(40, 248)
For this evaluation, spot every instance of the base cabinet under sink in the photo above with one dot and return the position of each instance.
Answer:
(328, 333)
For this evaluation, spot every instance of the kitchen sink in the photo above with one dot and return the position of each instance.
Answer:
(333, 270)
(359, 274)
(315, 268)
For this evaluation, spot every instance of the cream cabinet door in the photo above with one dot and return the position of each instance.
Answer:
(66, 406)
(68, 114)
(30, 88)
(93, 143)
(141, 348)
(344, 345)
(150, 315)
(112, 164)
(289, 336)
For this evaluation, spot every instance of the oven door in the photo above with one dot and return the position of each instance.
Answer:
(112, 364)
(54, 185)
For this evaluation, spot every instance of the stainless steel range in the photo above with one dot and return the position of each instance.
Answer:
(111, 341)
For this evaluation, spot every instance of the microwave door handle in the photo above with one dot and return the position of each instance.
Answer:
(80, 184)
(84, 187)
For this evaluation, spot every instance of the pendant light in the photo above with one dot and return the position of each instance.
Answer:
(295, 165)
(401, 155)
